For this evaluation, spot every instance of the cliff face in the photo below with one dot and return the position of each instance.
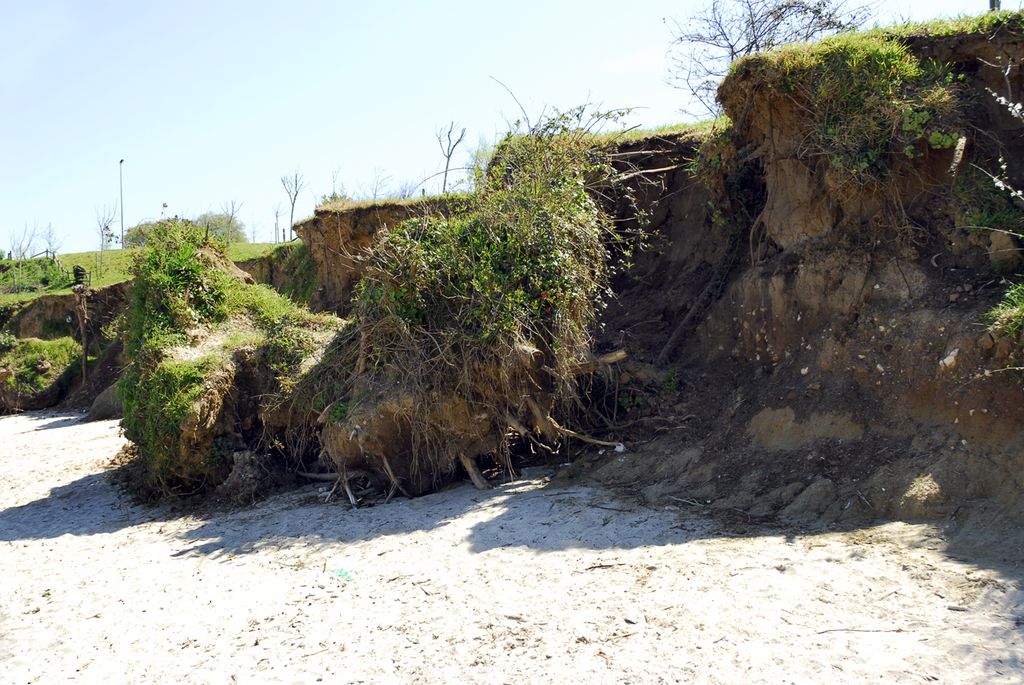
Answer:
(832, 355)
(809, 325)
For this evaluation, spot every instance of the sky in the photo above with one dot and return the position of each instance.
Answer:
(209, 102)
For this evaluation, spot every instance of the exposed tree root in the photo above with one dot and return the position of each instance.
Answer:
(469, 463)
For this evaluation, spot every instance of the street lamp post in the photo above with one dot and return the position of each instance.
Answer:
(120, 182)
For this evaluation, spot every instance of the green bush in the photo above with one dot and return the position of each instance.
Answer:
(177, 285)
(525, 260)
(36, 363)
(32, 275)
(486, 310)
(185, 298)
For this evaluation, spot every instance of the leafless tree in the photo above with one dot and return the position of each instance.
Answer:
(378, 188)
(51, 240)
(448, 145)
(292, 185)
(706, 44)
(407, 189)
(104, 218)
(231, 210)
(277, 219)
(334, 183)
(22, 244)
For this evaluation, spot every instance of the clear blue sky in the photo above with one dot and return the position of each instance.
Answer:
(211, 101)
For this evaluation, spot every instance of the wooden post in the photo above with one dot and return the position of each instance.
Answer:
(81, 292)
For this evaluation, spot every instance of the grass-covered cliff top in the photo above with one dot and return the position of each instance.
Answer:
(696, 131)
(863, 101)
(987, 23)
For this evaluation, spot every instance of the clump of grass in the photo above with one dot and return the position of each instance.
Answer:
(32, 365)
(1008, 316)
(177, 287)
(866, 103)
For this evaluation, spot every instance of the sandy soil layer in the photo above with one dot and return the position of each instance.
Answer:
(526, 583)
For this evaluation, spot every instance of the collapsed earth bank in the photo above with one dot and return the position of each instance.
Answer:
(806, 328)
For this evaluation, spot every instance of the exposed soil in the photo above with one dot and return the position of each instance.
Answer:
(531, 582)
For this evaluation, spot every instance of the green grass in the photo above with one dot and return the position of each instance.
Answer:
(35, 363)
(113, 266)
(697, 130)
(986, 23)
(429, 202)
(240, 252)
(1008, 316)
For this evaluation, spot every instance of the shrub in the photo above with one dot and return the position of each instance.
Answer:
(187, 318)
(177, 285)
(461, 320)
(35, 364)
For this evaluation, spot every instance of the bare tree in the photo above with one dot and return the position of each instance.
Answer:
(292, 185)
(22, 244)
(378, 189)
(277, 218)
(334, 183)
(231, 210)
(407, 189)
(337, 194)
(448, 145)
(706, 44)
(51, 240)
(104, 218)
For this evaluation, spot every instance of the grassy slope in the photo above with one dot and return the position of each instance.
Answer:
(116, 267)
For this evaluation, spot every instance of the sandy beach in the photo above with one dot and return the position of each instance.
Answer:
(530, 582)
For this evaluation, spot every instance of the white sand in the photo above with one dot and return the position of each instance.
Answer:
(522, 584)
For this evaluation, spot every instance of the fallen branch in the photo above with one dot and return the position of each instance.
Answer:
(580, 436)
